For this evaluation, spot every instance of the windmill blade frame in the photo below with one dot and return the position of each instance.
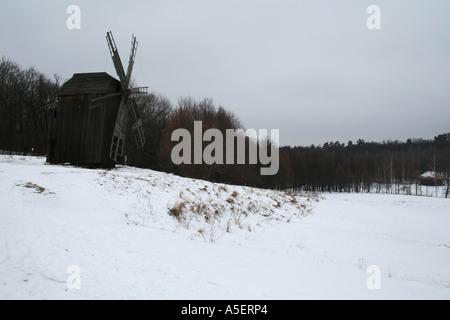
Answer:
(94, 101)
(134, 45)
(119, 135)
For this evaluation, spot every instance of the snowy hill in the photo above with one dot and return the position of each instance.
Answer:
(127, 233)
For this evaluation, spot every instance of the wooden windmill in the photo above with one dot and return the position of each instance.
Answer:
(89, 126)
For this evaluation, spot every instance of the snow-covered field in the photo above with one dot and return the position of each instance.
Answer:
(127, 233)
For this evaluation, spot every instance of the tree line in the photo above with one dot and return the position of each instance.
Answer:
(362, 166)
(160, 119)
(27, 96)
(332, 167)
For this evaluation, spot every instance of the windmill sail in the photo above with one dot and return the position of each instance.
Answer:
(119, 135)
(128, 104)
(116, 60)
(134, 45)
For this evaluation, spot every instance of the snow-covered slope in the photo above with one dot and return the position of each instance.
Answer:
(140, 234)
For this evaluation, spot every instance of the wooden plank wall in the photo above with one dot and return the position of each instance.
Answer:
(83, 135)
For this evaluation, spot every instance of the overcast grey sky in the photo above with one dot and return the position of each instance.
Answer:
(310, 68)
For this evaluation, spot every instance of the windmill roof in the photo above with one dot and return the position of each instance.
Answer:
(90, 83)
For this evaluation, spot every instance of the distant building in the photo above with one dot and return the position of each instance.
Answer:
(431, 178)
